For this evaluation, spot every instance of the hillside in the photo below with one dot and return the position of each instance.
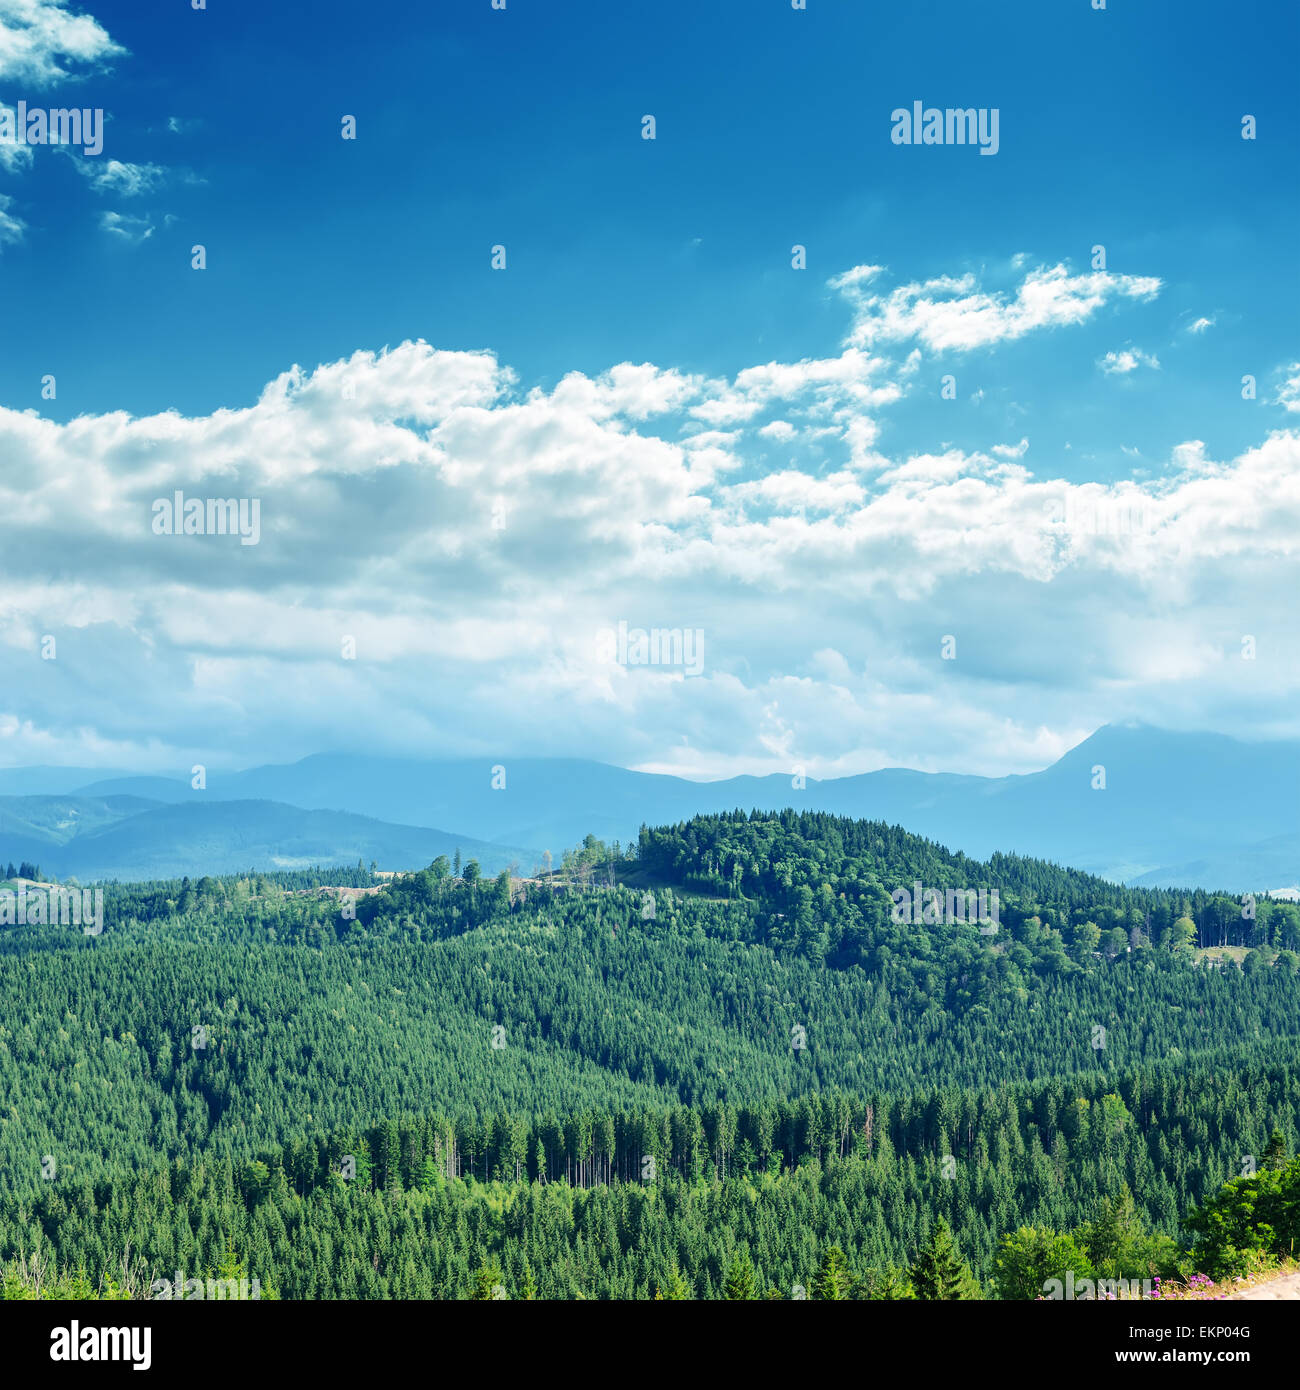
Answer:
(455, 1082)
(130, 837)
(623, 995)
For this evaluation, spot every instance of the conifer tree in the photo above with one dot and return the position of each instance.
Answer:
(675, 1289)
(488, 1283)
(831, 1281)
(939, 1273)
(887, 1284)
(739, 1284)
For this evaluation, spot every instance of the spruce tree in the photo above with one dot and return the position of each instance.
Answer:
(940, 1273)
(487, 1281)
(675, 1289)
(739, 1283)
(1108, 1236)
(831, 1281)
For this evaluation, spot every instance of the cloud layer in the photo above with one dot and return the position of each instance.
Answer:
(471, 540)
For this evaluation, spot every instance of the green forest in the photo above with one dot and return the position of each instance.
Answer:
(714, 1064)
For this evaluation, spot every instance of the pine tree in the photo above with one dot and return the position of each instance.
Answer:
(739, 1283)
(831, 1281)
(1274, 1155)
(939, 1273)
(1109, 1235)
(488, 1283)
(676, 1289)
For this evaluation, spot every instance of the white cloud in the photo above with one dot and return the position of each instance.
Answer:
(1011, 451)
(13, 156)
(42, 42)
(1127, 360)
(951, 313)
(1200, 325)
(11, 227)
(1288, 396)
(635, 391)
(126, 227)
(116, 176)
(793, 492)
(474, 538)
(779, 430)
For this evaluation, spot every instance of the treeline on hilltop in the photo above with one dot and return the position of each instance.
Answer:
(811, 884)
(823, 884)
(24, 870)
(943, 1196)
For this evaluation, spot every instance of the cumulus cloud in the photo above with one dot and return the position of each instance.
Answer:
(780, 430)
(1288, 396)
(43, 41)
(474, 537)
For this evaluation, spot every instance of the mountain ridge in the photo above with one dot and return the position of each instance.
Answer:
(1131, 803)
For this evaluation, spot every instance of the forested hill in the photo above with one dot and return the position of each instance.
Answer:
(688, 978)
(765, 853)
(825, 885)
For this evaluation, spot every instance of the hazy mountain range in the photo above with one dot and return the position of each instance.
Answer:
(1177, 809)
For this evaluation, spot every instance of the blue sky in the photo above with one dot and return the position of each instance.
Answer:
(478, 127)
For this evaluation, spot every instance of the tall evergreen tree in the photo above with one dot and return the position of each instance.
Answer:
(832, 1279)
(940, 1273)
(739, 1284)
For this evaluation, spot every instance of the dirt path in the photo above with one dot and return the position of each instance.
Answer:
(1285, 1286)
